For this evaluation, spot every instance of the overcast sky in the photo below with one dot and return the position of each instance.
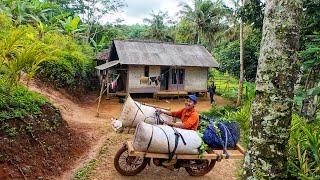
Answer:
(136, 10)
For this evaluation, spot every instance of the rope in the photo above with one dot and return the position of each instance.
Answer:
(150, 140)
(158, 118)
(166, 137)
(226, 140)
(166, 72)
(178, 135)
(139, 107)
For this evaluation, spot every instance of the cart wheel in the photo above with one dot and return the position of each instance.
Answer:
(128, 165)
(200, 167)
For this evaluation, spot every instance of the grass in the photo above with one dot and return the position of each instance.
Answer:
(227, 85)
(84, 172)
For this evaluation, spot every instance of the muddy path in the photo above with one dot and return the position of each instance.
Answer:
(104, 142)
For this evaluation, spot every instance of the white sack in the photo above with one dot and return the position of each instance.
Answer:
(134, 112)
(159, 143)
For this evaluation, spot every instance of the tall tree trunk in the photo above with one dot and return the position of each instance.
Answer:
(198, 37)
(271, 110)
(241, 62)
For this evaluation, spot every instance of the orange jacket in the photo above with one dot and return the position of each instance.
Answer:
(189, 118)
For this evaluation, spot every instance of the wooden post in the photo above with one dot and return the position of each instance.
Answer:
(177, 78)
(107, 85)
(103, 82)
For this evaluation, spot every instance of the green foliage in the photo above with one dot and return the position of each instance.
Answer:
(82, 174)
(71, 26)
(227, 85)
(73, 69)
(252, 12)
(304, 149)
(16, 103)
(186, 32)
(228, 56)
(21, 51)
(56, 58)
(205, 19)
(309, 82)
(219, 111)
(310, 57)
(158, 29)
(32, 11)
(304, 143)
(312, 14)
(203, 147)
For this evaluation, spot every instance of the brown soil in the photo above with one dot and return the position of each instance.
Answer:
(104, 142)
(42, 147)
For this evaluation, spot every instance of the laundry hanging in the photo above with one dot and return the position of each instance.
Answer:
(114, 83)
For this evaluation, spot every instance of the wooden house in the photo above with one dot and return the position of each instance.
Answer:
(178, 68)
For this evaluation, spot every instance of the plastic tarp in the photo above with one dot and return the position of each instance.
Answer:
(162, 139)
(134, 112)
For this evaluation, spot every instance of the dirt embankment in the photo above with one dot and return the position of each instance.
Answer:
(43, 146)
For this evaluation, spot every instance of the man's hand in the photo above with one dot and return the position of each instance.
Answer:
(159, 111)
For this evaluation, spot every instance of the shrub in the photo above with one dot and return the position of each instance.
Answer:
(228, 56)
(16, 102)
(304, 149)
(73, 69)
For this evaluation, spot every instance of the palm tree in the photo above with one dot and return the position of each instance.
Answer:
(157, 23)
(206, 17)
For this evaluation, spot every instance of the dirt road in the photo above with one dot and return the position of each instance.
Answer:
(105, 142)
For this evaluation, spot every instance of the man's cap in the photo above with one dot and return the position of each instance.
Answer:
(193, 98)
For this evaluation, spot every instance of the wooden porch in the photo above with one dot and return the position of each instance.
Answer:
(170, 94)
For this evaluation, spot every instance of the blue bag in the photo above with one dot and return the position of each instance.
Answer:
(222, 134)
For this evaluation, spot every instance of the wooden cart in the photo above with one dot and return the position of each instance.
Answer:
(129, 162)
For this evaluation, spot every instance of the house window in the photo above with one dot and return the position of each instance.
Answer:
(146, 71)
(177, 76)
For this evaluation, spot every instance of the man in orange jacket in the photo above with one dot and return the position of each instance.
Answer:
(188, 115)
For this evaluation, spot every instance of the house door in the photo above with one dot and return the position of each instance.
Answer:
(177, 79)
(164, 72)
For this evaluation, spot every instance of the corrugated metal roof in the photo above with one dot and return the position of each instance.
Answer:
(163, 54)
(107, 65)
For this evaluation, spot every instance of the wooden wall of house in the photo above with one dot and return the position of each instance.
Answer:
(135, 72)
(196, 79)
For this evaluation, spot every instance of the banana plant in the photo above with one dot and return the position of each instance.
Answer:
(72, 26)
